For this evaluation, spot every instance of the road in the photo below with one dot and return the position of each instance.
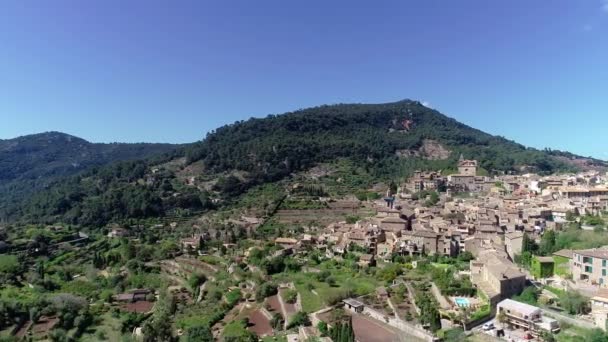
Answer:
(573, 321)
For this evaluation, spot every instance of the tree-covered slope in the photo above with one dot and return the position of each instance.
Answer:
(33, 162)
(277, 145)
(385, 139)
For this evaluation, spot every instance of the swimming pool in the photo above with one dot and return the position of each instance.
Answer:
(462, 301)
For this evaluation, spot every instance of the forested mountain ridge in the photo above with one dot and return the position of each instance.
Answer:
(387, 140)
(366, 132)
(58, 154)
(33, 162)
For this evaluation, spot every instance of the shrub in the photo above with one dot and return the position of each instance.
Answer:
(266, 290)
(299, 319)
(290, 296)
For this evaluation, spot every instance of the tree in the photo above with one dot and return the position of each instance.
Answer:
(529, 295)
(82, 322)
(59, 335)
(573, 302)
(501, 317)
(547, 336)
(299, 319)
(464, 314)
(393, 188)
(40, 269)
(322, 326)
(201, 243)
(466, 256)
(196, 280)
(547, 243)
(266, 290)
(335, 333)
(528, 245)
(128, 251)
(158, 330)
(570, 216)
(34, 314)
(342, 331)
(290, 296)
(277, 321)
(9, 267)
(430, 314)
(524, 259)
(199, 333)
(596, 335)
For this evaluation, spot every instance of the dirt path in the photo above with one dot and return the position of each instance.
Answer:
(283, 309)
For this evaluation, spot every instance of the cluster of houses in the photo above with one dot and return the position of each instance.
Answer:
(484, 216)
(489, 222)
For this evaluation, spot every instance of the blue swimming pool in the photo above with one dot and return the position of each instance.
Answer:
(462, 301)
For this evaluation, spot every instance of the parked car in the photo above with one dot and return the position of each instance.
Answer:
(488, 326)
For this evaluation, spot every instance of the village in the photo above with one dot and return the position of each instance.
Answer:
(461, 251)
(438, 257)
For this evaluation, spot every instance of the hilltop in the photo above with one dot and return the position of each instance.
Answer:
(388, 141)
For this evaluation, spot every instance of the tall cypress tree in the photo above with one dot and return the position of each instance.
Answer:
(344, 333)
(336, 332)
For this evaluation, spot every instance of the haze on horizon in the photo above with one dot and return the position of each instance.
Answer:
(145, 71)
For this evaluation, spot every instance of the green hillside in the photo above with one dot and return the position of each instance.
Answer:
(387, 140)
(32, 163)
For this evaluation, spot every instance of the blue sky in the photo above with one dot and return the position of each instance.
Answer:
(533, 71)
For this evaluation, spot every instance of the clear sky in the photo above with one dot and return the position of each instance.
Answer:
(169, 71)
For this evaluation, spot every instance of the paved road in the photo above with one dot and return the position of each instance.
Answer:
(574, 321)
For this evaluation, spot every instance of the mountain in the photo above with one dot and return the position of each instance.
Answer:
(387, 140)
(33, 162)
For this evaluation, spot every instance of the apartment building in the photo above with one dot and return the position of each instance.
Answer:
(525, 317)
(590, 266)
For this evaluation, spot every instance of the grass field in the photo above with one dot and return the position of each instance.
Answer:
(108, 330)
(576, 334)
(562, 267)
(574, 238)
(345, 279)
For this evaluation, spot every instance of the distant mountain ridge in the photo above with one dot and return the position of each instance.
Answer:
(54, 153)
(32, 162)
(388, 140)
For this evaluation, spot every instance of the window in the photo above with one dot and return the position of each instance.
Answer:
(603, 272)
(603, 263)
(588, 269)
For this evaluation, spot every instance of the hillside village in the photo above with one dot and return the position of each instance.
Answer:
(437, 257)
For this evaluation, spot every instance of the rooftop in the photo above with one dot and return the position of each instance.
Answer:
(545, 259)
(522, 308)
(353, 302)
(566, 253)
(595, 253)
(514, 235)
